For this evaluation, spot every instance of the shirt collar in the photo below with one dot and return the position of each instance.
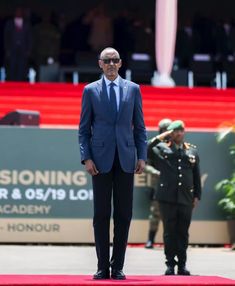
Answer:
(179, 146)
(116, 81)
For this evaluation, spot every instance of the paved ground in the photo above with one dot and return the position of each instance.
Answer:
(82, 260)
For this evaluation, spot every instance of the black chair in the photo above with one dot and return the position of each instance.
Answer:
(228, 72)
(180, 77)
(49, 73)
(86, 67)
(86, 60)
(203, 70)
(141, 66)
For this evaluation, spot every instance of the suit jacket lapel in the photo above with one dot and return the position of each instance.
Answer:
(123, 93)
(99, 88)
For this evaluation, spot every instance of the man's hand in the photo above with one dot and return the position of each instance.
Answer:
(195, 202)
(91, 168)
(140, 167)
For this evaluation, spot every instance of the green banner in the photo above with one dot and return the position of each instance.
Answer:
(41, 175)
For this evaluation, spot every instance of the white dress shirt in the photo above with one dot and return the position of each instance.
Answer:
(116, 88)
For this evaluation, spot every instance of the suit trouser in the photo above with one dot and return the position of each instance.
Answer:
(18, 66)
(118, 184)
(176, 221)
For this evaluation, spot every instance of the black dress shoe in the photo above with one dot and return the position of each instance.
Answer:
(183, 271)
(149, 244)
(117, 274)
(102, 274)
(170, 270)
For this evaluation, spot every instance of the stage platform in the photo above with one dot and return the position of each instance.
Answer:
(80, 280)
(60, 104)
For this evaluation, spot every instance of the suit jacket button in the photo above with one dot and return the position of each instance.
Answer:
(179, 167)
(179, 183)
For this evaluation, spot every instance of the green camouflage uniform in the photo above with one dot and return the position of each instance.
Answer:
(154, 216)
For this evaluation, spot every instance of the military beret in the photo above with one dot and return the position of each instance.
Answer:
(177, 124)
(164, 123)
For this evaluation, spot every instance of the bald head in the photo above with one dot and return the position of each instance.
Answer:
(108, 51)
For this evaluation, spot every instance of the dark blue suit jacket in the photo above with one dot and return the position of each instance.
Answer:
(100, 134)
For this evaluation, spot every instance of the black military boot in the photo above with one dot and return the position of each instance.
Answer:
(150, 242)
(170, 263)
(170, 270)
(182, 270)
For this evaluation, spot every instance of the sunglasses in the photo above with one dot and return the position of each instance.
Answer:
(108, 61)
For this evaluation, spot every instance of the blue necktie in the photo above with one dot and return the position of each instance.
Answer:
(113, 99)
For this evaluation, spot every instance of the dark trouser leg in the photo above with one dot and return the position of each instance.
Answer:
(185, 215)
(169, 218)
(122, 203)
(102, 189)
(12, 68)
(18, 66)
(21, 70)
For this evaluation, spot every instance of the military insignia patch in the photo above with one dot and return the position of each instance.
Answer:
(192, 159)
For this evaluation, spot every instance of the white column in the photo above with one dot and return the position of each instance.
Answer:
(166, 26)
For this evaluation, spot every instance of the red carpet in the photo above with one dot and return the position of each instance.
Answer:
(74, 280)
(59, 104)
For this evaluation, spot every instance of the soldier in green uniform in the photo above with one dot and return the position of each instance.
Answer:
(154, 217)
(178, 193)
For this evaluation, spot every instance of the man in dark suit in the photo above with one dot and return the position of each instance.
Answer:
(178, 193)
(18, 43)
(111, 132)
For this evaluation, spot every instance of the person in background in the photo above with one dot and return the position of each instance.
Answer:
(144, 37)
(123, 39)
(2, 25)
(81, 31)
(101, 32)
(17, 44)
(178, 194)
(154, 217)
(46, 41)
(186, 41)
(224, 40)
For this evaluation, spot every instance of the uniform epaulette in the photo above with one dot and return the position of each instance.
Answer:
(189, 145)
